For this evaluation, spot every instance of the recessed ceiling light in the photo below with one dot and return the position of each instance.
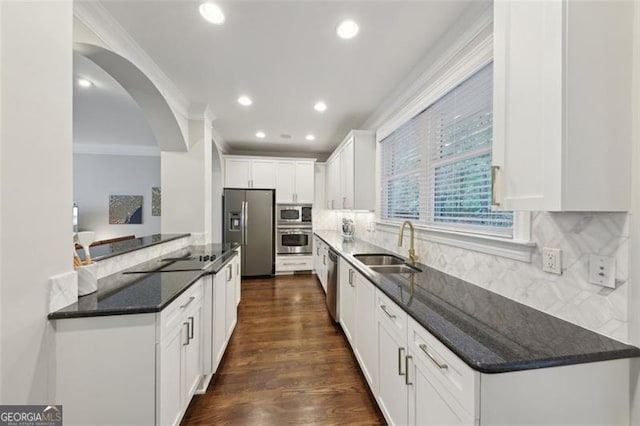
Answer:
(347, 29)
(320, 106)
(310, 137)
(212, 13)
(245, 100)
(261, 134)
(83, 82)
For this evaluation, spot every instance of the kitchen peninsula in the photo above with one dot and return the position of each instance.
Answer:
(153, 334)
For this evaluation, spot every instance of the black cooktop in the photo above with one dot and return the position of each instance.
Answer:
(173, 264)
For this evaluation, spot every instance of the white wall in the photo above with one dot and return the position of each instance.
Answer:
(35, 188)
(96, 177)
(187, 187)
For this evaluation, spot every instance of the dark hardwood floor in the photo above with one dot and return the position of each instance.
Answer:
(286, 363)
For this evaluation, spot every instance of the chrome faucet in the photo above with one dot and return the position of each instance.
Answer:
(412, 253)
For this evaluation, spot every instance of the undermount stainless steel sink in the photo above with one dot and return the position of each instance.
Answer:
(379, 259)
(395, 269)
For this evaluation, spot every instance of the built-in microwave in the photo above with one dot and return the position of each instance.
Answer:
(289, 214)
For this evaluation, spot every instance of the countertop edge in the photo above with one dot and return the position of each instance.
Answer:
(493, 368)
(132, 249)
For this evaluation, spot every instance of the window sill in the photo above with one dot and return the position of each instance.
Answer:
(504, 247)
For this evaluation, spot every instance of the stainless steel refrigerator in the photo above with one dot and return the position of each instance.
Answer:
(249, 221)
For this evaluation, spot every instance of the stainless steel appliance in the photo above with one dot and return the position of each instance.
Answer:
(289, 214)
(249, 221)
(332, 285)
(295, 240)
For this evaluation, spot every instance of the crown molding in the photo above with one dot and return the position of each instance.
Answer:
(106, 28)
(111, 149)
(477, 20)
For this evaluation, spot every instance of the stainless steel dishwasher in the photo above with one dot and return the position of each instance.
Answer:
(332, 285)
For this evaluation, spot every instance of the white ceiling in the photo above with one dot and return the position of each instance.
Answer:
(105, 114)
(285, 55)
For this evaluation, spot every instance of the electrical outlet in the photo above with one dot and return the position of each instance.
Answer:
(602, 270)
(552, 260)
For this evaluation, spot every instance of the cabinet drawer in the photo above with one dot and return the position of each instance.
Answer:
(391, 315)
(294, 263)
(457, 379)
(175, 312)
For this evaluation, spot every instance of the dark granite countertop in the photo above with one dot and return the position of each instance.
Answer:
(489, 332)
(136, 293)
(106, 251)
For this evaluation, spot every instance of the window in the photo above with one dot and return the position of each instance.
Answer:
(436, 168)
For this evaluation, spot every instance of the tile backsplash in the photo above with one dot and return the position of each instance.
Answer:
(569, 296)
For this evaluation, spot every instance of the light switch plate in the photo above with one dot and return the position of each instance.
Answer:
(602, 270)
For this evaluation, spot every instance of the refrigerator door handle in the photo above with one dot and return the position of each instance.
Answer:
(246, 222)
(243, 222)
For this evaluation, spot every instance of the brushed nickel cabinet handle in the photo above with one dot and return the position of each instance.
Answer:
(191, 320)
(185, 334)
(293, 263)
(406, 370)
(191, 299)
(389, 314)
(400, 356)
(351, 277)
(230, 273)
(324, 259)
(494, 173)
(441, 365)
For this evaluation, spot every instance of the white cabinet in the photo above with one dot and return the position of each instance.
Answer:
(319, 195)
(443, 389)
(347, 299)
(562, 105)
(320, 261)
(219, 318)
(231, 306)
(249, 172)
(293, 263)
(350, 177)
(295, 181)
(237, 173)
(366, 345)
(332, 180)
(392, 393)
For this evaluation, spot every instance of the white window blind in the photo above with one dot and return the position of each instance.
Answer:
(436, 168)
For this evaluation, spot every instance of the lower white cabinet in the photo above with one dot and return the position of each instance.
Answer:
(393, 392)
(357, 317)
(320, 261)
(417, 380)
(180, 354)
(293, 263)
(231, 305)
(347, 299)
(366, 349)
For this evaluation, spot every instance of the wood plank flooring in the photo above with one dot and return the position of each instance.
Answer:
(287, 363)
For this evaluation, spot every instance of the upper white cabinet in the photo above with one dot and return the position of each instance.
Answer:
(350, 178)
(562, 105)
(319, 195)
(249, 172)
(295, 181)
